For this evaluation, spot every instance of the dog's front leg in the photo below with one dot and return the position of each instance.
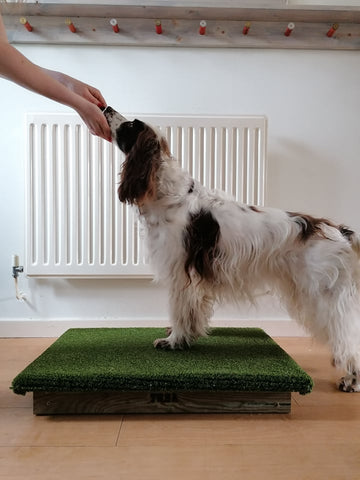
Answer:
(350, 383)
(190, 313)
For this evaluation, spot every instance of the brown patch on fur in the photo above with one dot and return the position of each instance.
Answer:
(165, 147)
(138, 174)
(254, 209)
(310, 226)
(200, 241)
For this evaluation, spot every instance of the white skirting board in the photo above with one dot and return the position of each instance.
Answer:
(20, 328)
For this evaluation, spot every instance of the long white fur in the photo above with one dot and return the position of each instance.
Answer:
(317, 279)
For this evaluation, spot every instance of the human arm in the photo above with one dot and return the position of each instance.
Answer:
(54, 85)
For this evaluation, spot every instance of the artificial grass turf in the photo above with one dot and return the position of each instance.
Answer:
(124, 359)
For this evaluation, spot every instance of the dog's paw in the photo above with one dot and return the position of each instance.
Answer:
(349, 383)
(163, 344)
(170, 343)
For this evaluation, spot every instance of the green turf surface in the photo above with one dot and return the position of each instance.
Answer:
(124, 359)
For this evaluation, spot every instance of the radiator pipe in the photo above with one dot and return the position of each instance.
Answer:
(16, 269)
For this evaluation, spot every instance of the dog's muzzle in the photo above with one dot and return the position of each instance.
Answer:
(111, 114)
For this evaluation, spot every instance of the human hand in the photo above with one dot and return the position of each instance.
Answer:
(88, 92)
(94, 119)
(87, 104)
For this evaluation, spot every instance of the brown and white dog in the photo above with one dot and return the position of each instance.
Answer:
(208, 248)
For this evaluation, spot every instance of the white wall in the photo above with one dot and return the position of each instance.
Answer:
(312, 102)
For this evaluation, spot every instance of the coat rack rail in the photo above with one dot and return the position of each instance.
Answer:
(183, 32)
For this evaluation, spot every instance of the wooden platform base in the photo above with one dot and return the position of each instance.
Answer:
(52, 403)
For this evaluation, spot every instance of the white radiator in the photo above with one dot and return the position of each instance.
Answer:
(76, 227)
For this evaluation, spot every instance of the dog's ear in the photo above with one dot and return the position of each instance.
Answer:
(165, 147)
(137, 177)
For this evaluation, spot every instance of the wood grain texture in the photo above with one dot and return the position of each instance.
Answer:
(52, 403)
(248, 10)
(266, 31)
(317, 440)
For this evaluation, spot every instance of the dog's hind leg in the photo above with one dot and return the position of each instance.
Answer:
(341, 322)
(328, 306)
(346, 349)
(345, 344)
(190, 311)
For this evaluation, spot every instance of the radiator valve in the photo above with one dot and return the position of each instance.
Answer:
(16, 269)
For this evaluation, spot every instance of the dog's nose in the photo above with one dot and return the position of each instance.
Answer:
(107, 109)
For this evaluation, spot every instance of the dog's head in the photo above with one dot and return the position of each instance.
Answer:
(114, 119)
(143, 149)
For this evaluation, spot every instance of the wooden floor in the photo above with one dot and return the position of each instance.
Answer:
(320, 439)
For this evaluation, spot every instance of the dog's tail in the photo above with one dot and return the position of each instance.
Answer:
(352, 237)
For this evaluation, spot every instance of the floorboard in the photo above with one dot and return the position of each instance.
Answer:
(318, 440)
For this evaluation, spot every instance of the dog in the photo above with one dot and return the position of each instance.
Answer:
(209, 248)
